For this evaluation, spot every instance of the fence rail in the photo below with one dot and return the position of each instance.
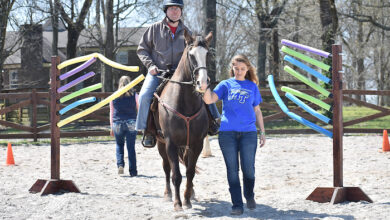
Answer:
(35, 130)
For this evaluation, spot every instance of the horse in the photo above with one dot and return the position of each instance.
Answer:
(182, 117)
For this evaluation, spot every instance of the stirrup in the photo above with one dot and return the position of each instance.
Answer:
(147, 142)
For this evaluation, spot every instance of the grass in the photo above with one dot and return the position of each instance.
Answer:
(354, 112)
(349, 113)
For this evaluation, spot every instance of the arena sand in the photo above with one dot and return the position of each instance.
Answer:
(288, 169)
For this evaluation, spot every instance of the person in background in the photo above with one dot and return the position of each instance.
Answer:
(160, 49)
(123, 113)
(238, 133)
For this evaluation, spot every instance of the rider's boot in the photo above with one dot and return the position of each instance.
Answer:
(213, 121)
(213, 126)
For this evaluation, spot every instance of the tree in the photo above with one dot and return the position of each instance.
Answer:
(54, 21)
(329, 23)
(5, 10)
(370, 18)
(109, 45)
(75, 25)
(210, 6)
(267, 12)
(110, 39)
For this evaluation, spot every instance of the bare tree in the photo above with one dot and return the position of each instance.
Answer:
(54, 21)
(267, 13)
(210, 6)
(370, 18)
(111, 38)
(5, 9)
(74, 24)
(329, 23)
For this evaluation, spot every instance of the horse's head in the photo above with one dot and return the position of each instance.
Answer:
(197, 50)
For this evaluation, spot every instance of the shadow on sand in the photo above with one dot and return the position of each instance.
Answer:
(217, 208)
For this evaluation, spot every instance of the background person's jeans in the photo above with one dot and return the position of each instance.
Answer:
(125, 130)
(239, 144)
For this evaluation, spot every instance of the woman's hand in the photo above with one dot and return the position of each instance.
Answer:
(262, 140)
(209, 96)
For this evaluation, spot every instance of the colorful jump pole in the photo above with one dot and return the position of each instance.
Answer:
(306, 58)
(306, 48)
(81, 92)
(293, 115)
(338, 193)
(307, 97)
(55, 184)
(102, 103)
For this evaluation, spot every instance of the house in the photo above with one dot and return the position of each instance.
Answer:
(29, 67)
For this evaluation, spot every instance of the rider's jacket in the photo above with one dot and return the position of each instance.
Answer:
(160, 48)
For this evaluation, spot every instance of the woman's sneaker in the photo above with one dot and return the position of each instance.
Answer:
(251, 204)
(120, 170)
(237, 211)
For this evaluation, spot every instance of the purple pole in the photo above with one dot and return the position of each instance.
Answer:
(78, 69)
(306, 48)
(75, 82)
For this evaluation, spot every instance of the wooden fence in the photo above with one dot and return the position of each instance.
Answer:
(35, 130)
(41, 129)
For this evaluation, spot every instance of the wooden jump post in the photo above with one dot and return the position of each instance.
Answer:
(338, 193)
(55, 184)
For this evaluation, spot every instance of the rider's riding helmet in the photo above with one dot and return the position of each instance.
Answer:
(168, 3)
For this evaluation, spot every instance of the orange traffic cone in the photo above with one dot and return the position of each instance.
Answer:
(385, 144)
(10, 155)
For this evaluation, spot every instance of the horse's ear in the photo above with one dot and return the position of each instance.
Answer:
(209, 37)
(188, 37)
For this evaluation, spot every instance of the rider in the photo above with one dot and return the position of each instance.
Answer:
(161, 48)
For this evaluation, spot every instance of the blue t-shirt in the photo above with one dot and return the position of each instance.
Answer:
(238, 100)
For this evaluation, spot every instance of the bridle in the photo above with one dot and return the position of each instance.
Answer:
(193, 83)
(193, 72)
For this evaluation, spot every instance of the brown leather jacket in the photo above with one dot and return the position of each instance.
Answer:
(158, 49)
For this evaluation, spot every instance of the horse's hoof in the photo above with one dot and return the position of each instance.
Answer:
(187, 205)
(167, 198)
(178, 208)
(193, 195)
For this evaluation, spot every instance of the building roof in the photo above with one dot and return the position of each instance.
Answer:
(127, 37)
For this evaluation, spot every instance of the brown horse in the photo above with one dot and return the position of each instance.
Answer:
(183, 118)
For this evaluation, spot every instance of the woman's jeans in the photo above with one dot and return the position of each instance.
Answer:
(125, 130)
(235, 144)
(149, 86)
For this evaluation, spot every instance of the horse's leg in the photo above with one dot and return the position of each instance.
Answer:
(206, 148)
(190, 173)
(176, 175)
(167, 170)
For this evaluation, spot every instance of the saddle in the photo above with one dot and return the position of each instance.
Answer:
(152, 126)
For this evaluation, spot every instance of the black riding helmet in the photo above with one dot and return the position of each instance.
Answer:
(168, 3)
